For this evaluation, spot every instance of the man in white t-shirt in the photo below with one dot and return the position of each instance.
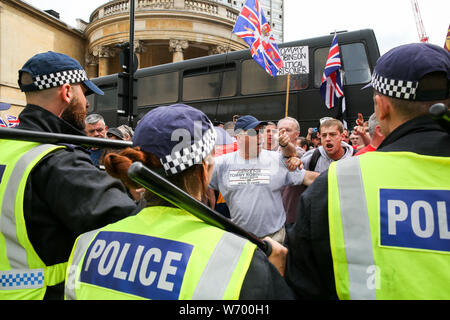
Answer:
(251, 180)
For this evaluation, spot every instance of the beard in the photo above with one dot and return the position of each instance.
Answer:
(75, 114)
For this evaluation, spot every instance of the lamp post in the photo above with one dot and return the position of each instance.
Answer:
(131, 69)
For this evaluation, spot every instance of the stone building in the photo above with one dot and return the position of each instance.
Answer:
(165, 31)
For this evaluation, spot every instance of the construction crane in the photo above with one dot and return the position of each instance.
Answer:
(419, 24)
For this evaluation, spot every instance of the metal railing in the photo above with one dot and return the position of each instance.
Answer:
(197, 6)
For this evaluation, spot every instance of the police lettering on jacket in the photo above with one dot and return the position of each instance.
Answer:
(141, 265)
(416, 219)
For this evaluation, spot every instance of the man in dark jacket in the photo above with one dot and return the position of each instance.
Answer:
(402, 110)
(65, 193)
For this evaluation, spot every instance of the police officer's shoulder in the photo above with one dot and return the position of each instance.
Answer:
(73, 147)
(70, 155)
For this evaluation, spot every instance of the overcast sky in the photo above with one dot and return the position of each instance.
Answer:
(392, 20)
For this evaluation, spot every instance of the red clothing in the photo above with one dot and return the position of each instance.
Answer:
(226, 148)
(368, 148)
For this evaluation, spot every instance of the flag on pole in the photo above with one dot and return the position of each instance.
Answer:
(253, 28)
(12, 121)
(331, 85)
(343, 113)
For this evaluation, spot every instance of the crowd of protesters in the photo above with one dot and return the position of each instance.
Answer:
(274, 207)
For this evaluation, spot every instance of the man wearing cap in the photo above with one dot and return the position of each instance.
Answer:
(95, 127)
(376, 226)
(115, 134)
(251, 180)
(50, 193)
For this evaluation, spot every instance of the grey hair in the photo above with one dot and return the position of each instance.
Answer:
(373, 122)
(94, 118)
(229, 127)
(297, 125)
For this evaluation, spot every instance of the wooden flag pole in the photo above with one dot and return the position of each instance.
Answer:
(287, 95)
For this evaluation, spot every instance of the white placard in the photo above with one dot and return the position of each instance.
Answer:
(296, 60)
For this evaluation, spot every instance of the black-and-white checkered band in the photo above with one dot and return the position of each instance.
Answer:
(400, 89)
(57, 79)
(187, 157)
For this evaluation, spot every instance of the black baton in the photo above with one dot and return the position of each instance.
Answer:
(55, 138)
(170, 192)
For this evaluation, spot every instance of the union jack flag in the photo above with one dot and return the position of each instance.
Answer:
(3, 123)
(12, 121)
(252, 26)
(331, 85)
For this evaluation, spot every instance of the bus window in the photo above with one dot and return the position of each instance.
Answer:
(206, 86)
(158, 89)
(256, 80)
(354, 63)
(320, 58)
(108, 101)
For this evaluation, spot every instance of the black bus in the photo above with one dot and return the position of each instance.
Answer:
(224, 85)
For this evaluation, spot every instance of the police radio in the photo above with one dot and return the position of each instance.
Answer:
(441, 114)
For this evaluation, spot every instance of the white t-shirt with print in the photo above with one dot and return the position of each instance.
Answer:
(252, 189)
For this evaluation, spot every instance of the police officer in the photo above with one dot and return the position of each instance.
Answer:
(165, 252)
(383, 230)
(50, 194)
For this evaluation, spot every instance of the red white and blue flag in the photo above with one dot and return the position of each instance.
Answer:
(253, 28)
(12, 121)
(331, 85)
(3, 123)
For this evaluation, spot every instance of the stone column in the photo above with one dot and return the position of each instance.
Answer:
(218, 50)
(103, 53)
(139, 48)
(91, 65)
(177, 47)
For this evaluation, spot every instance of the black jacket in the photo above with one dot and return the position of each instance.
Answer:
(66, 195)
(309, 269)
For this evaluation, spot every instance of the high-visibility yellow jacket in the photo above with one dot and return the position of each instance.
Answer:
(161, 253)
(389, 226)
(23, 275)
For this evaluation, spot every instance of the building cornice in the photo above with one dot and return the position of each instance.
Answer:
(43, 16)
